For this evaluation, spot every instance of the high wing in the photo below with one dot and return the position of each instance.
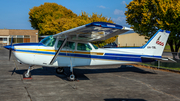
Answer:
(96, 31)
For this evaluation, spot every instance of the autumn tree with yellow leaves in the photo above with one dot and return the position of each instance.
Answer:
(147, 16)
(51, 18)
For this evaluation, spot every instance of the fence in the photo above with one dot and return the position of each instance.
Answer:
(173, 55)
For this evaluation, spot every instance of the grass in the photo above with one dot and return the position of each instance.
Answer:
(167, 48)
(171, 68)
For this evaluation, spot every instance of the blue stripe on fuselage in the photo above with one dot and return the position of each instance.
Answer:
(129, 55)
(107, 56)
(29, 44)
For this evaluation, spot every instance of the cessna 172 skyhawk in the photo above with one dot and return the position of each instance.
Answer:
(72, 48)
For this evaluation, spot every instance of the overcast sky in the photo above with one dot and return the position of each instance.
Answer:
(14, 13)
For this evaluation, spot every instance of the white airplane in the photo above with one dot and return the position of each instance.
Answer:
(71, 48)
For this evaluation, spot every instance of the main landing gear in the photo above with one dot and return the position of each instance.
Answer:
(71, 77)
(27, 74)
(60, 70)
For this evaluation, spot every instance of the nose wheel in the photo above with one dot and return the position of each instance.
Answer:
(27, 74)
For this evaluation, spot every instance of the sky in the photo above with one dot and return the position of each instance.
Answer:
(14, 13)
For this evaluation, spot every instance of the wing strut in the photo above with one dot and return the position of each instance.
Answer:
(58, 51)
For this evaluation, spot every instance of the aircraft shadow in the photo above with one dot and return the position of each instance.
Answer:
(121, 99)
(80, 72)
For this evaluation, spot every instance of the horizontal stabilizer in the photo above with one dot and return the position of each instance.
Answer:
(164, 59)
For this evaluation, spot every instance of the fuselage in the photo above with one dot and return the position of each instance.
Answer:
(40, 54)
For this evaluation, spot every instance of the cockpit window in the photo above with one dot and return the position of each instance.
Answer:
(84, 47)
(48, 41)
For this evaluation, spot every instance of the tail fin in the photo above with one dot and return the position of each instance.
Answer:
(156, 44)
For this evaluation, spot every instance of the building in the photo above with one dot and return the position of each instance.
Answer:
(130, 40)
(19, 36)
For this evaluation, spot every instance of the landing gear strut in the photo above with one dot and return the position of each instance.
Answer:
(71, 76)
(27, 74)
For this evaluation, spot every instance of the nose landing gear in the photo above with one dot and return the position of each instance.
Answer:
(27, 74)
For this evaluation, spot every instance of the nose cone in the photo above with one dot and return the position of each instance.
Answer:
(8, 47)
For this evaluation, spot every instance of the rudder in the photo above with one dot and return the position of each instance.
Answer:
(156, 44)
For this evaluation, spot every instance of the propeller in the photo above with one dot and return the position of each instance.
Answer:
(10, 47)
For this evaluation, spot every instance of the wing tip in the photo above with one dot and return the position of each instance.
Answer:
(127, 28)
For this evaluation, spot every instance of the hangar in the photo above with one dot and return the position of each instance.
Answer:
(131, 40)
(19, 36)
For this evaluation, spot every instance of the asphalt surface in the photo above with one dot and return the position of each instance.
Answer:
(96, 83)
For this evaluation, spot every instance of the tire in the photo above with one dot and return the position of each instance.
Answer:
(71, 77)
(59, 70)
(25, 75)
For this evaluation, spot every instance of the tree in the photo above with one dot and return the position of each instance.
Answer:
(52, 18)
(45, 18)
(147, 16)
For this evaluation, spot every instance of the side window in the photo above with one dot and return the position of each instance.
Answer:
(83, 47)
(68, 45)
(59, 43)
(95, 47)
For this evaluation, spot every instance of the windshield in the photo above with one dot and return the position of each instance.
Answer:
(48, 41)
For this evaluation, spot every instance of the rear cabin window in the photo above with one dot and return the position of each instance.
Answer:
(68, 45)
(83, 47)
(48, 41)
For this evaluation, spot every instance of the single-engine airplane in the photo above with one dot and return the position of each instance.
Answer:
(72, 48)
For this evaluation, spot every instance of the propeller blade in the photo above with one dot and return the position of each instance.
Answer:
(58, 51)
(11, 40)
(10, 49)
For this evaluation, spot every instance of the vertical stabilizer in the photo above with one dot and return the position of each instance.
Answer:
(155, 46)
